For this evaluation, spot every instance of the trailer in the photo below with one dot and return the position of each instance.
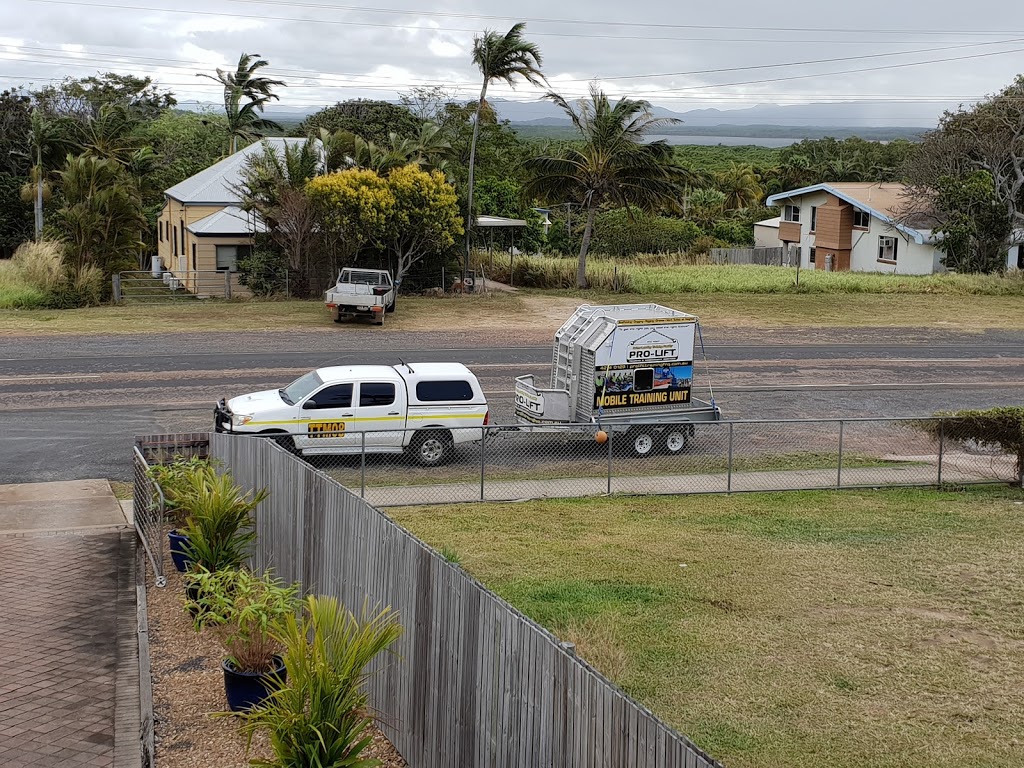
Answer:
(625, 369)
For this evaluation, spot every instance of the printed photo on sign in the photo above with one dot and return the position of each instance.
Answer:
(633, 386)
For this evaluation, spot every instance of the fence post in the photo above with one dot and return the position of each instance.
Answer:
(227, 283)
(942, 446)
(116, 286)
(362, 465)
(839, 471)
(608, 442)
(728, 475)
(483, 459)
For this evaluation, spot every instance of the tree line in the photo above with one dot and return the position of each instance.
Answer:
(84, 163)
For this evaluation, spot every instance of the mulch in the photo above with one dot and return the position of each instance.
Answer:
(188, 692)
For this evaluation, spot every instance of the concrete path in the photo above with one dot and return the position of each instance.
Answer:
(68, 628)
(958, 468)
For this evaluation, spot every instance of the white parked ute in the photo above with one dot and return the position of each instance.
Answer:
(425, 409)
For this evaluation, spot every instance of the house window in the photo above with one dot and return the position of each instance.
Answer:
(861, 219)
(193, 257)
(814, 217)
(228, 256)
(161, 228)
(791, 213)
(887, 249)
(813, 255)
(175, 232)
(183, 238)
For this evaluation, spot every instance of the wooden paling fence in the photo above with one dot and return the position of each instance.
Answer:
(765, 257)
(473, 682)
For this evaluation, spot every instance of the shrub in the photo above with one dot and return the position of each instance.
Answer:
(37, 277)
(318, 716)
(617, 233)
(242, 610)
(1002, 428)
(219, 525)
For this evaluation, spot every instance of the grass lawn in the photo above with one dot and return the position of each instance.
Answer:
(542, 311)
(800, 629)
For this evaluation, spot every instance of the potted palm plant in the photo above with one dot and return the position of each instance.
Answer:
(319, 716)
(242, 610)
(177, 481)
(219, 528)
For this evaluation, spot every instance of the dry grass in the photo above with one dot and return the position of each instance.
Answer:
(841, 629)
(534, 312)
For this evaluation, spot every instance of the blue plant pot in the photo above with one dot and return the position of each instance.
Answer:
(245, 690)
(178, 554)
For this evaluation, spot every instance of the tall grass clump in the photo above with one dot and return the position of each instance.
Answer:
(38, 278)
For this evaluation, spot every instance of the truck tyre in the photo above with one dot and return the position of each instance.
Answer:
(675, 440)
(391, 306)
(641, 441)
(283, 439)
(432, 448)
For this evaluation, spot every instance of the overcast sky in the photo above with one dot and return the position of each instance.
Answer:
(331, 50)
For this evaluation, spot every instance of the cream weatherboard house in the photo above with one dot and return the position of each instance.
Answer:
(202, 232)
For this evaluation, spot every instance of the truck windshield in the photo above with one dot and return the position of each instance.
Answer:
(300, 388)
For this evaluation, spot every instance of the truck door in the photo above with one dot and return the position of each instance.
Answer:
(325, 419)
(380, 412)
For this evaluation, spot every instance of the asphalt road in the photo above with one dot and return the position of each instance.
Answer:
(69, 406)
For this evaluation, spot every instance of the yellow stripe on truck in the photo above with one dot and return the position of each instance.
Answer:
(427, 417)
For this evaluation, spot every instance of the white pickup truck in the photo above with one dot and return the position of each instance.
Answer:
(424, 409)
(362, 292)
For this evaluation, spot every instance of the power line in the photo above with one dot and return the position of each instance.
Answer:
(646, 38)
(600, 23)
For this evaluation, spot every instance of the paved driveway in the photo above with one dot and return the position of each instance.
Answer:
(69, 695)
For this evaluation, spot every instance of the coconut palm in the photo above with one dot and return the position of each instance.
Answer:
(611, 165)
(500, 58)
(740, 185)
(244, 120)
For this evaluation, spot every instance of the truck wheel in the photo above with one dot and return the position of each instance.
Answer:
(641, 442)
(391, 306)
(675, 439)
(432, 448)
(282, 439)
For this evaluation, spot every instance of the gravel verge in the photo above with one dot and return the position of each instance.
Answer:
(188, 689)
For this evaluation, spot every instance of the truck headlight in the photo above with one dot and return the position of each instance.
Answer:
(240, 419)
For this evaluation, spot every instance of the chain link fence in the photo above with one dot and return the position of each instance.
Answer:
(509, 463)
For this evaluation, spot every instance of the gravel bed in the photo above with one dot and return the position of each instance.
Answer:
(188, 689)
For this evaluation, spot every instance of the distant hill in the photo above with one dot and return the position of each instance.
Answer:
(564, 130)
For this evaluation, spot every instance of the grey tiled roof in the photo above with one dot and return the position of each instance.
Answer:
(231, 220)
(215, 185)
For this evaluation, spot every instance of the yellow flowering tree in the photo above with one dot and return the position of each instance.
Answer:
(356, 208)
(426, 216)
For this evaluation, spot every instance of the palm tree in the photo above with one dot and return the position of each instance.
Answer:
(613, 165)
(500, 58)
(244, 120)
(740, 185)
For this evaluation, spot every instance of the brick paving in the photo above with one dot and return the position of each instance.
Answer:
(61, 601)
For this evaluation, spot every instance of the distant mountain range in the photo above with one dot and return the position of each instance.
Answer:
(869, 119)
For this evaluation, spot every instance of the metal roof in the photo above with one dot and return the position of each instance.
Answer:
(230, 220)
(498, 221)
(216, 184)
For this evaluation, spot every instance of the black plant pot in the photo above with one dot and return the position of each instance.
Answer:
(178, 553)
(246, 690)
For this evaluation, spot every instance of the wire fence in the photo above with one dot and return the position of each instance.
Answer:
(149, 511)
(508, 463)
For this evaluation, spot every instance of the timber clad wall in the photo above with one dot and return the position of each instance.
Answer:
(473, 682)
(789, 231)
(833, 233)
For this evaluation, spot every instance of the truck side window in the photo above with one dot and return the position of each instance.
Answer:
(643, 380)
(443, 391)
(337, 396)
(376, 393)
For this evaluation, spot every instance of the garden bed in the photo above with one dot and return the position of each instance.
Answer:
(188, 689)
